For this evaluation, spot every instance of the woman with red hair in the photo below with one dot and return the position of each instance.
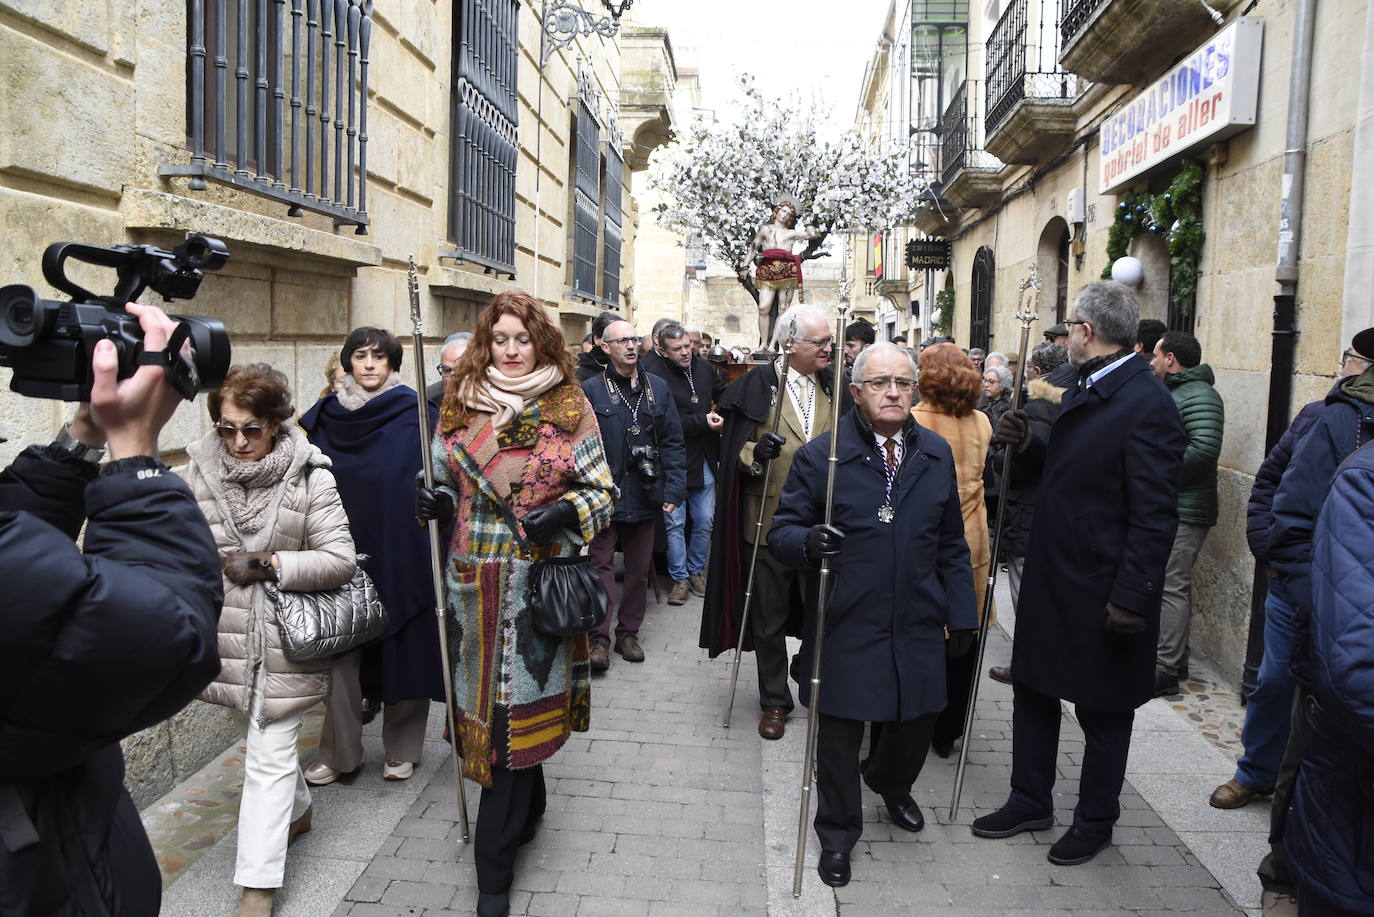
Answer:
(514, 428)
(950, 386)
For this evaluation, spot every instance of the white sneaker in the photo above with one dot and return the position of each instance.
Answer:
(398, 770)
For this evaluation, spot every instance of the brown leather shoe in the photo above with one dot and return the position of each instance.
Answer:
(628, 646)
(678, 594)
(256, 902)
(773, 723)
(299, 826)
(697, 583)
(1233, 795)
(601, 655)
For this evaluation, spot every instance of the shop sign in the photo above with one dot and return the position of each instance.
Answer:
(931, 254)
(1209, 96)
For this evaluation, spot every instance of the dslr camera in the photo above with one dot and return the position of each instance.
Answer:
(49, 344)
(645, 460)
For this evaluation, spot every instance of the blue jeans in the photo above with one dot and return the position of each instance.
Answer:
(688, 558)
(1270, 705)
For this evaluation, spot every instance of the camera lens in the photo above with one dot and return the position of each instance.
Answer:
(19, 315)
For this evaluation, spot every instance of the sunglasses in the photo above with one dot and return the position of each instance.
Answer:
(251, 432)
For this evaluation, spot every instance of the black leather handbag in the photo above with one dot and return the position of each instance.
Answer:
(566, 596)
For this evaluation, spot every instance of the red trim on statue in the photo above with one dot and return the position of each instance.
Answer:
(779, 269)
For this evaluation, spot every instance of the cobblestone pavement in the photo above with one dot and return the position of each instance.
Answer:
(661, 811)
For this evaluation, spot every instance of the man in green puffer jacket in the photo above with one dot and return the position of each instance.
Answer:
(1177, 361)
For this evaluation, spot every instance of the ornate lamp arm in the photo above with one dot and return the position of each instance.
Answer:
(564, 20)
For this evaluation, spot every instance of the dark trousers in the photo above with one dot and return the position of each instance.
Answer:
(1273, 870)
(769, 607)
(959, 674)
(637, 544)
(507, 812)
(891, 769)
(1035, 747)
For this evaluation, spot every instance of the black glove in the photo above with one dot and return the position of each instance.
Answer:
(1124, 623)
(432, 504)
(542, 523)
(1013, 429)
(823, 541)
(247, 567)
(769, 447)
(959, 643)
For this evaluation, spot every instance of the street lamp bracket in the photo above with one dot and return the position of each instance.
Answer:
(565, 20)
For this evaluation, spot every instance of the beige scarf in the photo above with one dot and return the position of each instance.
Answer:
(353, 396)
(505, 397)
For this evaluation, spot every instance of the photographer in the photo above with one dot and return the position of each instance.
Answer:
(98, 644)
(643, 439)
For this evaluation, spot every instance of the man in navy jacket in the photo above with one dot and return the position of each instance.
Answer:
(1088, 619)
(97, 644)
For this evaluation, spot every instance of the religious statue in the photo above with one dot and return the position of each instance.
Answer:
(778, 271)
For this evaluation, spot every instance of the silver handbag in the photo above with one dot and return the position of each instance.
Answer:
(317, 625)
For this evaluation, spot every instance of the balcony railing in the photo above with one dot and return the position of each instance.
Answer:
(960, 138)
(1023, 59)
(1077, 14)
(238, 131)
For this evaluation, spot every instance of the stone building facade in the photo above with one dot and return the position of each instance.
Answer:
(372, 133)
(1016, 99)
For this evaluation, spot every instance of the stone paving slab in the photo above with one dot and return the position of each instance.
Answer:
(659, 810)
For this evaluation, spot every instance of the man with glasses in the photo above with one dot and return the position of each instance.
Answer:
(453, 348)
(902, 577)
(1088, 619)
(643, 438)
(805, 338)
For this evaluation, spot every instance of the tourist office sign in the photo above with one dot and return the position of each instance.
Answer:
(1210, 95)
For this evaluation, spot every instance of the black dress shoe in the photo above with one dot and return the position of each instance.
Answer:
(834, 868)
(493, 905)
(1165, 685)
(943, 747)
(1009, 823)
(1077, 847)
(905, 813)
(1000, 673)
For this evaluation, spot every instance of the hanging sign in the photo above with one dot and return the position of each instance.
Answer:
(931, 254)
(1209, 96)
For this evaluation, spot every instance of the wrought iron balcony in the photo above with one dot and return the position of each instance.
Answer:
(1127, 41)
(238, 130)
(1030, 113)
(968, 172)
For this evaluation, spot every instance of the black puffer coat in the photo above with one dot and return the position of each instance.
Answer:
(96, 646)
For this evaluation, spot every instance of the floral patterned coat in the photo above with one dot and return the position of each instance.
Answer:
(519, 693)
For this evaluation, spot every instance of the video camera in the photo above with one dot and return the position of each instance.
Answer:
(49, 344)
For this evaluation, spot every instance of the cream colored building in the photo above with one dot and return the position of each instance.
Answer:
(1017, 98)
(471, 160)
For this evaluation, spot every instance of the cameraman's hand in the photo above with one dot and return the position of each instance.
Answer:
(84, 430)
(769, 447)
(133, 411)
(246, 567)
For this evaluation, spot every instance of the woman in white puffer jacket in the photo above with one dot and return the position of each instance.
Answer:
(272, 505)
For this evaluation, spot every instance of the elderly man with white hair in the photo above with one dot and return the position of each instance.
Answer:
(806, 340)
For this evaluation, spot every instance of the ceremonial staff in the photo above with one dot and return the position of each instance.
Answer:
(778, 392)
(417, 325)
(822, 601)
(1026, 315)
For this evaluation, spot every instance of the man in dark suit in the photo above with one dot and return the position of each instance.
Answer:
(902, 578)
(1088, 617)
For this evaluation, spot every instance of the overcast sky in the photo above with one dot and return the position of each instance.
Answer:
(815, 47)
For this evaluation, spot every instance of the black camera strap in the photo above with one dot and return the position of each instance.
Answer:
(179, 367)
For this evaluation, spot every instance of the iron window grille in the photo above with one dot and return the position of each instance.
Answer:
(1023, 59)
(484, 147)
(1077, 14)
(961, 141)
(238, 130)
(586, 201)
(611, 228)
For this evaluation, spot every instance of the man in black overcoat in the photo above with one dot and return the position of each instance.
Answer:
(1088, 619)
(901, 577)
(747, 445)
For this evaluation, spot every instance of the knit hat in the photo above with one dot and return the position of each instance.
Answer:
(1363, 344)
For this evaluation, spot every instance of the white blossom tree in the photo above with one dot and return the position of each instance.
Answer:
(723, 179)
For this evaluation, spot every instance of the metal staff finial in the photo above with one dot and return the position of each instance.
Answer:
(1027, 310)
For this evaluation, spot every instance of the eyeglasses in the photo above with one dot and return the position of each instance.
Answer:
(228, 431)
(624, 342)
(1352, 355)
(1068, 323)
(444, 369)
(822, 344)
(883, 383)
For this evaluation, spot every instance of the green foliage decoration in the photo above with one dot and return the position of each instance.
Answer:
(1176, 213)
(944, 301)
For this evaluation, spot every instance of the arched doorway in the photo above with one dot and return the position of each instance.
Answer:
(980, 299)
(1052, 260)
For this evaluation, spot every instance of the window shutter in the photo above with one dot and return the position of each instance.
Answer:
(614, 219)
(586, 202)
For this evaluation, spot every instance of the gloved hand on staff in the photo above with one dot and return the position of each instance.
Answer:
(823, 541)
(432, 504)
(769, 447)
(1013, 429)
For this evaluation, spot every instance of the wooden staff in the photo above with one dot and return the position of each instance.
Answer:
(1026, 312)
(779, 394)
(435, 554)
(822, 603)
